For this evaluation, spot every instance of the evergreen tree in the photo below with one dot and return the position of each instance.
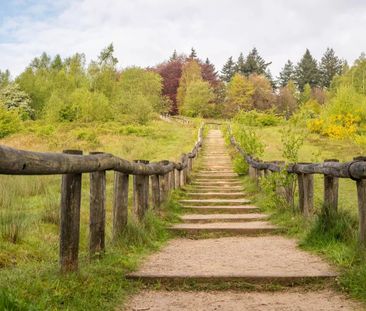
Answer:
(228, 70)
(209, 73)
(174, 55)
(57, 63)
(240, 64)
(193, 54)
(330, 65)
(254, 63)
(287, 73)
(307, 71)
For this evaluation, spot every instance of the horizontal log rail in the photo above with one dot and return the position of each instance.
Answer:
(355, 169)
(331, 169)
(20, 162)
(152, 183)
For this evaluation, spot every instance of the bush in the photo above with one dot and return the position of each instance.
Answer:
(10, 122)
(255, 118)
(248, 140)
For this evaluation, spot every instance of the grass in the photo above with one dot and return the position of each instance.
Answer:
(333, 236)
(29, 218)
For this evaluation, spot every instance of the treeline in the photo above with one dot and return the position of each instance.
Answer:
(66, 90)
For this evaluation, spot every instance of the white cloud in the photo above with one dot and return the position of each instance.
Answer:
(145, 32)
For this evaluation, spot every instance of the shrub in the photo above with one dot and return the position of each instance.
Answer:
(10, 122)
(248, 140)
(255, 118)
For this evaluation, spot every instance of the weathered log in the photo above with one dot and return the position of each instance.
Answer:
(361, 196)
(70, 219)
(155, 191)
(20, 162)
(172, 179)
(330, 192)
(306, 193)
(120, 203)
(140, 193)
(97, 212)
(177, 178)
(252, 173)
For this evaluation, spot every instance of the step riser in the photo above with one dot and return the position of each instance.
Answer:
(238, 231)
(210, 210)
(231, 282)
(207, 221)
(217, 196)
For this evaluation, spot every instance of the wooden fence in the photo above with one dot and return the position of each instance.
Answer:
(331, 169)
(164, 176)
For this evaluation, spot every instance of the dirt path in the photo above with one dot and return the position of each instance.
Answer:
(245, 250)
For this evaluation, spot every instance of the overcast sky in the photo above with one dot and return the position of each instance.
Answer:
(145, 32)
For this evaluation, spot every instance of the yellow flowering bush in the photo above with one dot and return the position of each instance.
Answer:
(336, 126)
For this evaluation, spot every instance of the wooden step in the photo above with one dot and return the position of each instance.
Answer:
(207, 218)
(214, 201)
(212, 209)
(216, 195)
(240, 228)
(264, 260)
(216, 176)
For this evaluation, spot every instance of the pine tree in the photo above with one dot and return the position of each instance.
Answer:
(193, 54)
(174, 55)
(307, 71)
(209, 73)
(57, 63)
(228, 70)
(330, 66)
(240, 64)
(254, 63)
(287, 73)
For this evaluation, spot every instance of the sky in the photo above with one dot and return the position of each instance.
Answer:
(146, 32)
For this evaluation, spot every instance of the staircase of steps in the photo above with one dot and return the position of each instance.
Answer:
(216, 201)
(245, 249)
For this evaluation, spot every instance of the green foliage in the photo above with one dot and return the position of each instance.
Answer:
(10, 122)
(256, 118)
(307, 71)
(248, 140)
(90, 106)
(239, 93)
(139, 94)
(292, 140)
(198, 97)
(287, 74)
(13, 98)
(191, 71)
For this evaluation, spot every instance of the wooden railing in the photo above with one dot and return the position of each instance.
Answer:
(164, 177)
(331, 169)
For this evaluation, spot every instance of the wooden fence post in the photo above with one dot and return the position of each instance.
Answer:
(120, 203)
(155, 191)
(306, 193)
(252, 173)
(330, 192)
(140, 193)
(361, 196)
(177, 178)
(172, 179)
(97, 212)
(70, 219)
